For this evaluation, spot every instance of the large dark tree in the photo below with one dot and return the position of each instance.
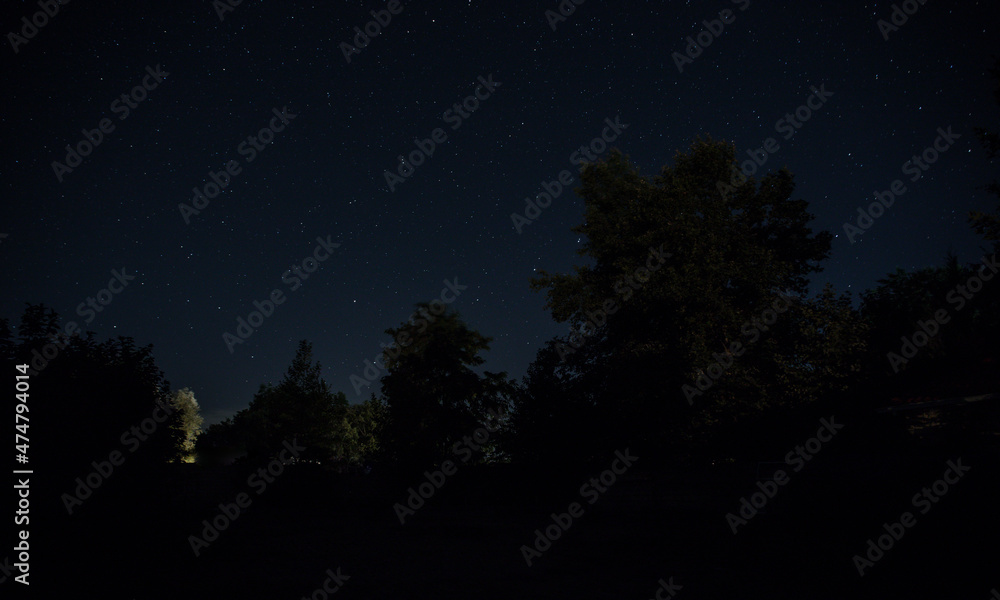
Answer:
(555, 419)
(434, 394)
(301, 407)
(684, 261)
(86, 397)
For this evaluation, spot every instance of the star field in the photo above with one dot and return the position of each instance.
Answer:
(323, 174)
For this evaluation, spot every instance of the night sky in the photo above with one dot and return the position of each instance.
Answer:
(346, 123)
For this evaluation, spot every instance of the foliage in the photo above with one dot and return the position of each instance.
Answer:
(186, 423)
(364, 426)
(894, 310)
(91, 398)
(301, 407)
(727, 248)
(433, 394)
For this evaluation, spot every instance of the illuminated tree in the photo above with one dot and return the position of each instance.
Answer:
(187, 422)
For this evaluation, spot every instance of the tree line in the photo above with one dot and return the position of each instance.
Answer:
(690, 315)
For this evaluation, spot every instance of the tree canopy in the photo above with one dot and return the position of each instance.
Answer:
(96, 395)
(679, 268)
(301, 407)
(432, 391)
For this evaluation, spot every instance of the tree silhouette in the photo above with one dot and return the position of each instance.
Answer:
(676, 266)
(93, 398)
(432, 391)
(905, 305)
(830, 343)
(301, 407)
(555, 419)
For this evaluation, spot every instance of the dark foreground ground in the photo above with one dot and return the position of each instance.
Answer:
(656, 522)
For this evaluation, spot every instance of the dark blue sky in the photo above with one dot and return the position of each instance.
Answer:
(323, 173)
